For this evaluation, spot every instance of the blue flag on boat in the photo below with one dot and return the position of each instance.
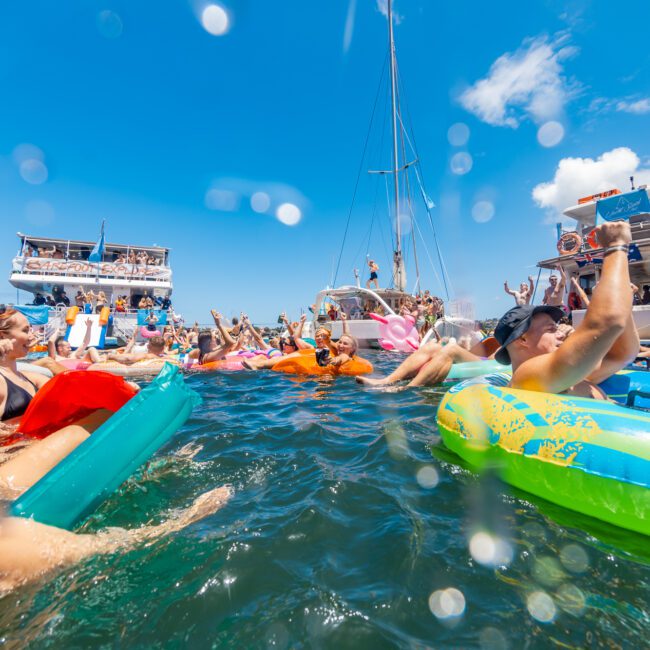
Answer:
(97, 252)
(622, 206)
(36, 314)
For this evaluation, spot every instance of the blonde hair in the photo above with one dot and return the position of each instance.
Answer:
(5, 319)
(355, 342)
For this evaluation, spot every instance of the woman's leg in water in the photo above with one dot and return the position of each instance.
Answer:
(30, 465)
(29, 549)
(260, 362)
(408, 368)
(436, 370)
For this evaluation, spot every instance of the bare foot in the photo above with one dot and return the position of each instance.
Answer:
(369, 381)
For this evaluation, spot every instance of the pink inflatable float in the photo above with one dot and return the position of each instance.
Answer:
(147, 333)
(397, 332)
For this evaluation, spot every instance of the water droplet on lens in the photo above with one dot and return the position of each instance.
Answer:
(427, 476)
(447, 603)
(550, 134)
(215, 20)
(483, 211)
(109, 24)
(548, 571)
(461, 163)
(33, 171)
(492, 639)
(260, 202)
(490, 550)
(571, 599)
(574, 558)
(288, 214)
(541, 606)
(458, 134)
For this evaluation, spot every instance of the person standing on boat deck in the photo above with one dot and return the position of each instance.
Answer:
(525, 293)
(554, 294)
(374, 267)
(604, 342)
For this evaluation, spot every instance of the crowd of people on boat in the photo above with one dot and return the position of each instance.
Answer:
(134, 257)
(90, 302)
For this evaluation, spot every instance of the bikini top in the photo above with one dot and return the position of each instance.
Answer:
(18, 399)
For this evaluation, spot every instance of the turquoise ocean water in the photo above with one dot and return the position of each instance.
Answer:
(350, 527)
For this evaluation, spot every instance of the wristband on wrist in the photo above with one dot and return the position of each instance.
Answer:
(620, 247)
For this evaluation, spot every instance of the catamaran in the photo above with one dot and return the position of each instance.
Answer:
(356, 301)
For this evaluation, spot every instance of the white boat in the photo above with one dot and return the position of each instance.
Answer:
(585, 260)
(356, 301)
(63, 268)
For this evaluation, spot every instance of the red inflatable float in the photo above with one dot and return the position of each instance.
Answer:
(70, 396)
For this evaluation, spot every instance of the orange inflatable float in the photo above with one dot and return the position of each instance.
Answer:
(305, 364)
(67, 398)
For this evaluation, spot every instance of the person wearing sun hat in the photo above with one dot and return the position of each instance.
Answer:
(604, 342)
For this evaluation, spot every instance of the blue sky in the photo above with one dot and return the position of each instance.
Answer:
(144, 118)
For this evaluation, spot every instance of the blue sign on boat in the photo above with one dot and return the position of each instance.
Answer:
(622, 206)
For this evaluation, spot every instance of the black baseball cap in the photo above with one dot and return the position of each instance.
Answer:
(515, 323)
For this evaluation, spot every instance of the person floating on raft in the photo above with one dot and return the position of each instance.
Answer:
(29, 549)
(327, 357)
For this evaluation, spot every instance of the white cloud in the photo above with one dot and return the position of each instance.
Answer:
(576, 177)
(528, 82)
(639, 107)
(382, 7)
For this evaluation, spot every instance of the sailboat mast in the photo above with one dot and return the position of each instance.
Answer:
(397, 260)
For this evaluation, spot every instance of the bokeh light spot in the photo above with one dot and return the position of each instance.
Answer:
(289, 214)
(461, 163)
(260, 201)
(222, 200)
(458, 134)
(550, 134)
(490, 550)
(39, 213)
(490, 638)
(547, 571)
(482, 211)
(215, 20)
(33, 171)
(541, 606)
(571, 599)
(109, 24)
(447, 603)
(25, 151)
(427, 476)
(574, 558)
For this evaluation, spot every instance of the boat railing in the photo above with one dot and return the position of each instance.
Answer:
(96, 270)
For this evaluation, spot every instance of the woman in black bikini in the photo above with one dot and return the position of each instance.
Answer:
(30, 463)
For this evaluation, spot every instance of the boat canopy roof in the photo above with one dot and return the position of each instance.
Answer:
(42, 242)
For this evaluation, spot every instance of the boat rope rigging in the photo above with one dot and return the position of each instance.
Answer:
(356, 184)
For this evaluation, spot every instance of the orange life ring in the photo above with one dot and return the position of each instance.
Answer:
(591, 239)
(569, 243)
(305, 364)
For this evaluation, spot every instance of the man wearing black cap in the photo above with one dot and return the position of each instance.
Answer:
(602, 344)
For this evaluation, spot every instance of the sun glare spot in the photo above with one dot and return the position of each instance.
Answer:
(215, 20)
(260, 202)
(461, 163)
(490, 550)
(458, 134)
(289, 214)
(550, 134)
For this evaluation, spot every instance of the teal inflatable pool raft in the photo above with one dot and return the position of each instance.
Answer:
(94, 470)
(592, 456)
